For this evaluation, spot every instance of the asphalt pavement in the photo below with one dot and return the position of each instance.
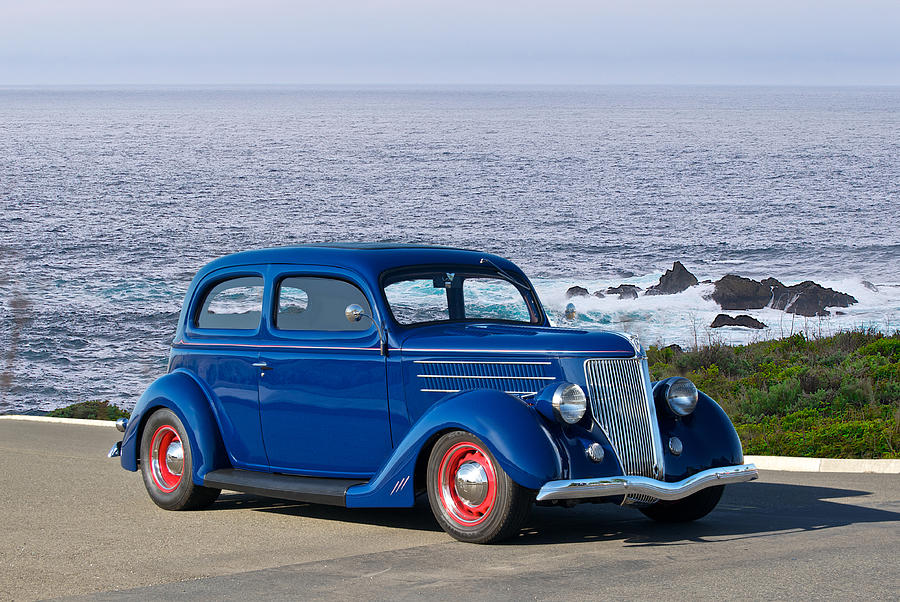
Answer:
(74, 524)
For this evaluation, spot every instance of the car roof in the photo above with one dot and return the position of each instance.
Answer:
(370, 259)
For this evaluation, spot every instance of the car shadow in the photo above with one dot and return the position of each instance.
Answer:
(747, 510)
(417, 518)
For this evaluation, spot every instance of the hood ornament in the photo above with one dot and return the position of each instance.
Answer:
(636, 344)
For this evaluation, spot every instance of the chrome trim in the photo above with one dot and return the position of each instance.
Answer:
(622, 404)
(556, 402)
(355, 313)
(175, 458)
(654, 423)
(595, 487)
(512, 377)
(594, 452)
(121, 424)
(471, 483)
(115, 451)
(675, 446)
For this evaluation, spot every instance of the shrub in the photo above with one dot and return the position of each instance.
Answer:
(94, 410)
(835, 396)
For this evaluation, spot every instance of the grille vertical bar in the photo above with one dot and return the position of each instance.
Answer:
(620, 399)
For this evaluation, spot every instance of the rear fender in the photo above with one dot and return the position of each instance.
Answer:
(512, 431)
(181, 393)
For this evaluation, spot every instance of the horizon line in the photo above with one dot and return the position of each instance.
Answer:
(442, 84)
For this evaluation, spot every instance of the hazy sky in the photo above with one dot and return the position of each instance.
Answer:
(459, 41)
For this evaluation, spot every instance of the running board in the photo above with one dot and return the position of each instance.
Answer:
(315, 490)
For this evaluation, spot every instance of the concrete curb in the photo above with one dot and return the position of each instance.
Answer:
(786, 463)
(79, 421)
(792, 464)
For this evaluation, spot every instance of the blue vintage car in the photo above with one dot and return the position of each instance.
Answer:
(364, 375)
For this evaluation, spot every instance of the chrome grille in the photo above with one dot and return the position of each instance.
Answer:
(450, 376)
(622, 405)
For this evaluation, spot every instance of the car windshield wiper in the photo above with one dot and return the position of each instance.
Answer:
(505, 274)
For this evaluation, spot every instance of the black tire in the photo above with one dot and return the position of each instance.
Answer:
(503, 507)
(166, 488)
(688, 509)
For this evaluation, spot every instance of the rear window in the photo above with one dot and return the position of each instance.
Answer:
(234, 304)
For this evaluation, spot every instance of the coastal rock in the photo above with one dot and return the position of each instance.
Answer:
(598, 294)
(576, 291)
(674, 281)
(675, 348)
(808, 298)
(735, 292)
(742, 320)
(870, 286)
(625, 291)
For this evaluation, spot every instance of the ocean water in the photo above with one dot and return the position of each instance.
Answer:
(111, 199)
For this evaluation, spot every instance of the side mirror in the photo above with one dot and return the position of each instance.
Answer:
(571, 312)
(354, 312)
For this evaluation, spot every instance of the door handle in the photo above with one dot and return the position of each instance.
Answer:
(262, 365)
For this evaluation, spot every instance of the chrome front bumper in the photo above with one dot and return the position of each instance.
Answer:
(612, 486)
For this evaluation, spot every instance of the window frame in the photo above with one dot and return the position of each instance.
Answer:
(317, 334)
(529, 295)
(203, 293)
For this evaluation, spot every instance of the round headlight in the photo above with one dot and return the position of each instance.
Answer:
(569, 403)
(681, 396)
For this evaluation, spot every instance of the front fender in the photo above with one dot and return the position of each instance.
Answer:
(708, 437)
(513, 431)
(181, 393)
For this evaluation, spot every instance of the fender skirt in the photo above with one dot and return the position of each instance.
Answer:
(512, 430)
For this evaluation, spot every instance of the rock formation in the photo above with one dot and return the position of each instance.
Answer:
(742, 320)
(625, 291)
(735, 292)
(807, 298)
(674, 281)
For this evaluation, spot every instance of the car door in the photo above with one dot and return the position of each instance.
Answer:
(322, 391)
(219, 347)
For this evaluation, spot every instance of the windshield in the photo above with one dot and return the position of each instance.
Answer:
(443, 296)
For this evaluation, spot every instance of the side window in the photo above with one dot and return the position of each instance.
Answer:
(234, 304)
(309, 303)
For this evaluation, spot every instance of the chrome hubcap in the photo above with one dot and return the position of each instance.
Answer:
(471, 483)
(175, 458)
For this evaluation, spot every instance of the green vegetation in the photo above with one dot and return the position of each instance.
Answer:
(95, 410)
(836, 397)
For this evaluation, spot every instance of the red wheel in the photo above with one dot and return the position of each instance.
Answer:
(166, 458)
(468, 484)
(166, 464)
(471, 496)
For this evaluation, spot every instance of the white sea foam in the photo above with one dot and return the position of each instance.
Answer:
(685, 318)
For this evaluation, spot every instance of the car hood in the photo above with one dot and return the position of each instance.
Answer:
(503, 338)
